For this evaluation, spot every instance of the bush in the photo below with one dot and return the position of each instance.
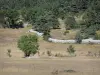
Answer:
(65, 32)
(70, 71)
(91, 31)
(78, 38)
(97, 35)
(28, 44)
(46, 35)
(88, 32)
(9, 52)
(59, 55)
(12, 16)
(49, 53)
(70, 22)
(71, 49)
(55, 72)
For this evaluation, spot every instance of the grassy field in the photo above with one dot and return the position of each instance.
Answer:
(59, 34)
(44, 65)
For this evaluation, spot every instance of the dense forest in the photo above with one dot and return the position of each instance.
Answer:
(43, 14)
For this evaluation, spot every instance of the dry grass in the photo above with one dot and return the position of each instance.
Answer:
(58, 34)
(16, 65)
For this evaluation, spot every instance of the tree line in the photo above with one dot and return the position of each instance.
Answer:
(43, 14)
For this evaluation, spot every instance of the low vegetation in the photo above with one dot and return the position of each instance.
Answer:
(9, 52)
(28, 44)
(71, 50)
(78, 38)
(49, 53)
(97, 35)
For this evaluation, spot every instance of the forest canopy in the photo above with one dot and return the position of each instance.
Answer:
(44, 13)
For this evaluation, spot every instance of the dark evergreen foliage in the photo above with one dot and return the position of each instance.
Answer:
(43, 13)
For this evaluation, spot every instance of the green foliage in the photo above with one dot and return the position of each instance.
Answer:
(71, 49)
(97, 35)
(44, 13)
(78, 5)
(28, 44)
(46, 35)
(88, 32)
(92, 18)
(9, 52)
(1, 18)
(45, 21)
(78, 38)
(70, 22)
(30, 14)
(91, 31)
(12, 16)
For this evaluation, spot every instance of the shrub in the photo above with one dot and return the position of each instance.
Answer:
(89, 53)
(78, 38)
(59, 55)
(71, 49)
(70, 22)
(46, 35)
(49, 53)
(12, 17)
(28, 44)
(9, 52)
(70, 71)
(55, 72)
(91, 31)
(65, 32)
(97, 35)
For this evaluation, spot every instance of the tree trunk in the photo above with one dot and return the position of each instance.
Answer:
(27, 54)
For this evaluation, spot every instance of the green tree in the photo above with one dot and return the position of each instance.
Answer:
(33, 10)
(46, 34)
(12, 16)
(70, 22)
(78, 5)
(28, 44)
